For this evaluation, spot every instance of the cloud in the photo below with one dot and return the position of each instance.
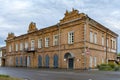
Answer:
(16, 15)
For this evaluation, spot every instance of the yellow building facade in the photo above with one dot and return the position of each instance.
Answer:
(76, 42)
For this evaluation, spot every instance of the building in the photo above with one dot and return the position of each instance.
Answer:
(2, 56)
(76, 42)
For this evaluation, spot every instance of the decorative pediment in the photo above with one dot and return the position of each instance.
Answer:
(74, 14)
(32, 27)
(10, 35)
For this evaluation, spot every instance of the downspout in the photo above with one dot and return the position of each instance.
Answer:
(116, 47)
(85, 44)
(58, 25)
(106, 46)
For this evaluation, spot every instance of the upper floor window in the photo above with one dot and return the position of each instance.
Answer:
(55, 40)
(39, 43)
(111, 43)
(46, 42)
(10, 48)
(95, 38)
(70, 37)
(115, 44)
(102, 40)
(32, 44)
(107, 42)
(16, 47)
(91, 36)
(26, 45)
(21, 46)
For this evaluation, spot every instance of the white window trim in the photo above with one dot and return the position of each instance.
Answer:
(107, 42)
(95, 38)
(71, 37)
(55, 41)
(26, 45)
(91, 36)
(102, 40)
(32, 45)
(10, 48)
(95, 61)
(16, 47)
(46, 41)
(40, 43)
(21, 46)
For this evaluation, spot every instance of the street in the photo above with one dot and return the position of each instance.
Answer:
(59, 74)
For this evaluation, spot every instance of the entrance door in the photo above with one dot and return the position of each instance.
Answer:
(47, 61)
(3, 62)
(21, 61)
(28, 61)
(55, 61)
(39, 61)
(25, 59)
(70, 63)
(16, 61)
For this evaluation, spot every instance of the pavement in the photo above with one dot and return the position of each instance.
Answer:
(59, 74)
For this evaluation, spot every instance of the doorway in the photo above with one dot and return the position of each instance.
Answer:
(70, 63)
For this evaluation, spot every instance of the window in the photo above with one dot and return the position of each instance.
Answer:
(32, 44)
(102, 41)
(95, 38)
(10, 48)
(95, 61)
(16, 47)
(115, 44)
(107, 42)
(39, 43)
(111, 43)
(102, 60)
(21, 46)
(70, 37)
(26, 45)
(91, 62)
(46, 42)
(55, 40)
(91, 37)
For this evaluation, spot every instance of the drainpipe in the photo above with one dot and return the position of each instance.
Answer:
(106, 46)
(59, 44)
(85, 44)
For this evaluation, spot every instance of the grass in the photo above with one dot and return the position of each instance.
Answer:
(7, 77)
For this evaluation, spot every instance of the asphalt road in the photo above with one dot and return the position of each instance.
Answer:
(58, 74)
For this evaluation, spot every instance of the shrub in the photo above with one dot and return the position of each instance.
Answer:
(109, 67)
(2, 75)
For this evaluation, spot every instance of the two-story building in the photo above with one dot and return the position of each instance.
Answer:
(76, 42)
(2, 56)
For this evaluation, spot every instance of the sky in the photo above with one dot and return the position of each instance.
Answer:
(16, 15)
